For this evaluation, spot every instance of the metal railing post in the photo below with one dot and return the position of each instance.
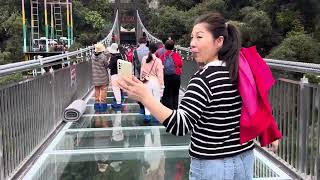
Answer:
(1, 157)
(317, 152)
(303, 124)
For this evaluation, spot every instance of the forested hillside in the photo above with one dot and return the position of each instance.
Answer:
(282, 29)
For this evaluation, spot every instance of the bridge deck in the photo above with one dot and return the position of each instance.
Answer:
(118, 145)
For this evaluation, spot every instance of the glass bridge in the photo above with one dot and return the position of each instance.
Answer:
(118, 145)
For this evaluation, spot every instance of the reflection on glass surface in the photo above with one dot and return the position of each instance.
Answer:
(126, 108)
(154, 163)
(119, 137)
(109, 100)
(115, 166)
(127, 120)
(127, 164)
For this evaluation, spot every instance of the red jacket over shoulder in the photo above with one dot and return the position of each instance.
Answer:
(255, 81)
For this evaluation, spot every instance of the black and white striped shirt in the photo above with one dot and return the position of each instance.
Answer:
(211, 110)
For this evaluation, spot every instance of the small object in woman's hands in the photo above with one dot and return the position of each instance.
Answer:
(124, 68)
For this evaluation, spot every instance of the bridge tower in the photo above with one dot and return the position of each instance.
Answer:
(50, 27)
(127, 20)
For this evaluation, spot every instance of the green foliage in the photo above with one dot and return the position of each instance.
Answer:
(209, 5)
(268, 6)
(171, 21)
(313, 78)
(206, 6)
(289, 21)
(168, 22)
(237, 4)
(12, 41)
(4, 56)
(297, 47)
(95, 20)
(180, 4)
(4, 80)
(316, 33)
(102, 6)
(255, 28)
(263, 23)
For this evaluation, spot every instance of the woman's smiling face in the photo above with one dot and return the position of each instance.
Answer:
(203, 45)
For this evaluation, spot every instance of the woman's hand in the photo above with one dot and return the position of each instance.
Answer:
(274, 146)
(136, 89)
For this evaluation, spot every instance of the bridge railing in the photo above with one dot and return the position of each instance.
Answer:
(296, 108)
(32, 109)
(141, 28)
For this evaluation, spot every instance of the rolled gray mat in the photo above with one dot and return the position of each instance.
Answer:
(74, 111)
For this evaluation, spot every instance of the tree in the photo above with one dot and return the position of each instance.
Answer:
(298, 46)
(182, 5)
(168, 22)
(206, 6)
(11, 35)
(256, 29)
(93, 21)
(288, 21)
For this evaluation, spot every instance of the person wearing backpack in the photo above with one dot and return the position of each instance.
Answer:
(172, 63)
(161, 49)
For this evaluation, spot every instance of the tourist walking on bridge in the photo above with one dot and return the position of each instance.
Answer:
(172, 62)
(211, 106)
(138, 54)
(115, 55)
(100, 77)
(152, 76)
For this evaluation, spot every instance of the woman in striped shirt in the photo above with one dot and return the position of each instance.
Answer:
(211, 106)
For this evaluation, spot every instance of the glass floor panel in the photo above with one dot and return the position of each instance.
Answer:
(119, 137)
(126, 108)
(128, 164)
(106, 120)
(111, 99)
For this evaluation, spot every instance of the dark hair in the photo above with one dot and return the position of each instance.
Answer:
(230, 50)
(169, 45)
(142, 40)
(159, 44)
(152, 49)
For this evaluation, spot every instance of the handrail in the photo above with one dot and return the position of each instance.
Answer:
(109, 36)
(38, 63)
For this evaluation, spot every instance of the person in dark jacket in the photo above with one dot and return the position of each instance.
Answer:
(100, 77)
(115, 55)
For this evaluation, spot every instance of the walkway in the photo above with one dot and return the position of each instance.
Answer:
(118, 145)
